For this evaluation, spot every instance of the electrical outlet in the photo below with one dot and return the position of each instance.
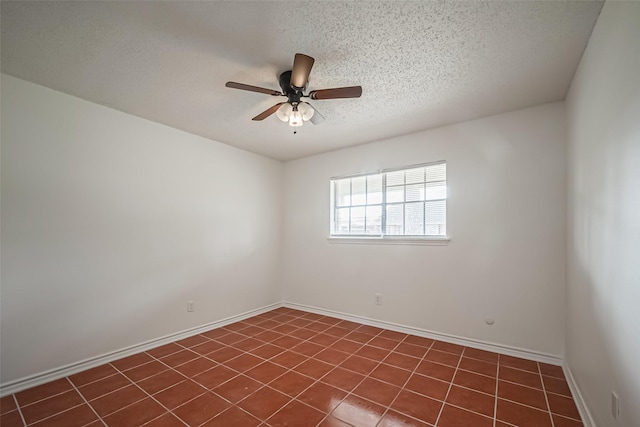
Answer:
(615, 406)
(378, 299)
(190, 306)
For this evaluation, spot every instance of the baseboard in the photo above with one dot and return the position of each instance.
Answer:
(587, 419)
(73, 368)
(467, 342)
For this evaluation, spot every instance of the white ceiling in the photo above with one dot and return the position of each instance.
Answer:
(421, 64)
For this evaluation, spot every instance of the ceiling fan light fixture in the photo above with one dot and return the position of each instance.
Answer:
(295, 119)
(284, 112)
(306, 110)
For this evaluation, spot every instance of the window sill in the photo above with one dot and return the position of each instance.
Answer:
(433, 241)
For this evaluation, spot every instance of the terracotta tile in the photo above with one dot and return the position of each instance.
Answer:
(244, 362)
(104, 386)
(269, 324)
(562, 405)
(343, 379)
(296, 414)
(312, 316)
(264, 402)
(214, 377)
(400, 360)
(417, 406)
(396, 419)
(51, 406)
(330, 320)
(518, 363)
(300, 322)
(117, 400)
(477, 382)
(291, 383)
(522, 416)
(337, 331)
(267, 351)
(266, 372)
(419, 341)
(479, 367)
(237, 388)
(268, 336)
(448, 347)
(43, 391)
(235, 327)
(551, 370)
(472, 400)
(233, 417)
(145, 371)
(207, 347)
(287, 342)
(521, 394)
(166, 420)
(436, 370)
(359, 364)
(165, 350)
(486, 356)
(332, 421)
(332, 356)
(179, 358)
(519, 376)
(224, 354)
(347, 324)
(377, 391)
(160, 382)
(252, 331)
(131, 361)
(303, 334)
(288, 359)
(196, 366)
(91, 375)
(393, 335)
(358, 412)
(248, 344)
(316, 326)
(75, 417)
(411, 350)
(456, 417)
(178, 394)
(373, 353)
(314, 368)
(381, 342)
(7, 404)
(390, 374)
(323, 339)
(201, 409)
(287, 329)
(322, 397)
(559, 421)
(442, 357)
(428, 386)
(358, 337)
(370, 330)
(346, 346)
(11, 419)
(136, 414)
(231, 338)
(308, 348)
(556, 385)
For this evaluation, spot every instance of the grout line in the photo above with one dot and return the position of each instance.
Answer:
(544, 390)
(495, 403)
(87, 402)
(449, 390)
(15, 400)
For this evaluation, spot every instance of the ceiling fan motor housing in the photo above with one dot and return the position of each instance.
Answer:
(294, 94)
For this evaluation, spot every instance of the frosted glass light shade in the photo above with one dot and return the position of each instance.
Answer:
(306, 110)
(284, 112)
(295, 119)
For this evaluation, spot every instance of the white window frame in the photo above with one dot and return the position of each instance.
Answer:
(383, 238)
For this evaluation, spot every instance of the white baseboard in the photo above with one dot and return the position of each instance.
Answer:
(467, 342)
(73, 368)
(587, 419)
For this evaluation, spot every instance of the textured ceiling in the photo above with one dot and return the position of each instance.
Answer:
(421, 64)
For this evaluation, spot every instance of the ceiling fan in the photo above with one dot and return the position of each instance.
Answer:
(294, 84)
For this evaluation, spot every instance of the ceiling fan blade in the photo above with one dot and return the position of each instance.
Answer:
(317, 118)
(269, 111)
(302, 65)
(242, 86)
(340, 92)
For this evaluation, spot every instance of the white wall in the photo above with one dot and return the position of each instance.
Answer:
(603, 290)
(506, 219)
(110, 223)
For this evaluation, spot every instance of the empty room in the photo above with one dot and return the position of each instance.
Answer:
(322, 214)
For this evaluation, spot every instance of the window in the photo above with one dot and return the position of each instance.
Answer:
(410, 202)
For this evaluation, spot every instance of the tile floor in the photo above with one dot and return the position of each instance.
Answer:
(292, 368)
